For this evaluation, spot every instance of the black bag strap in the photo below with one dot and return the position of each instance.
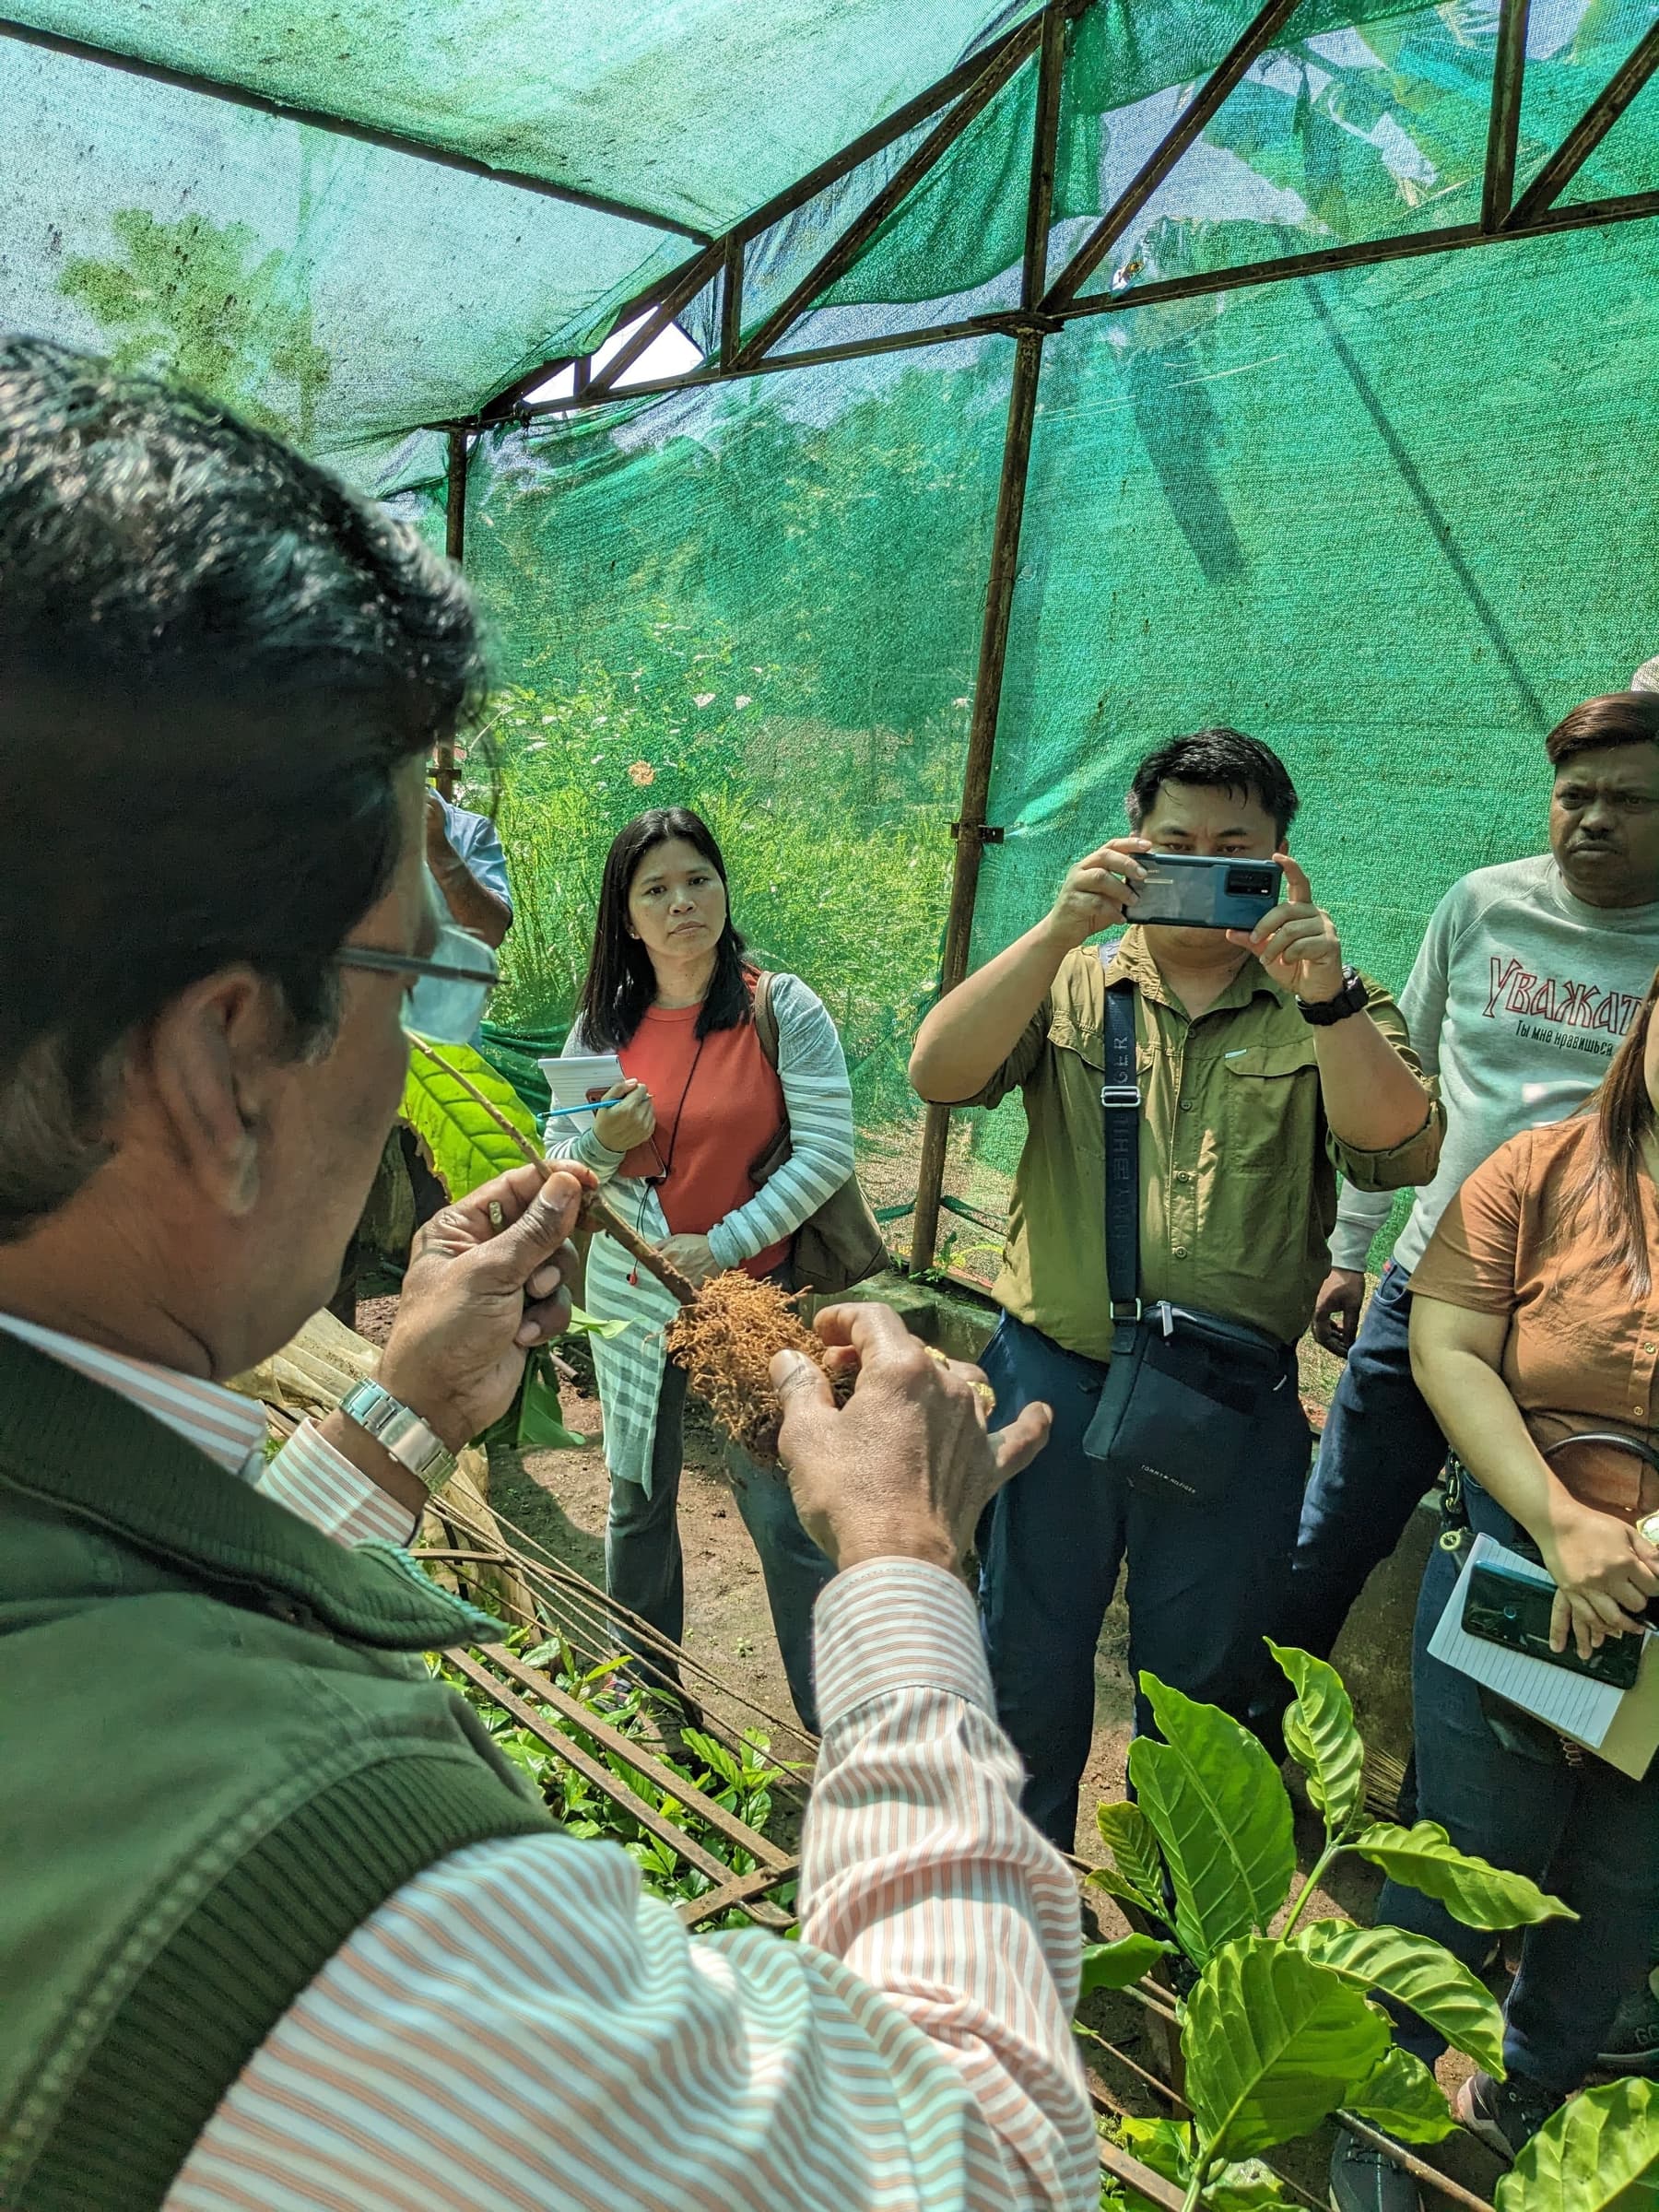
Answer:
(1121, 1098)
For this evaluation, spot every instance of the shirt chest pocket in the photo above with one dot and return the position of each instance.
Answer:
(1268, 1098)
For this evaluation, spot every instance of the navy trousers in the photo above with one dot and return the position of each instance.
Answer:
(644, 1568)
(1586, 1833)
(1380, 1452)
(1204, 1585)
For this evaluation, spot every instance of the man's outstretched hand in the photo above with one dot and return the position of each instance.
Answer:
(904, 1469)
(485, 1286)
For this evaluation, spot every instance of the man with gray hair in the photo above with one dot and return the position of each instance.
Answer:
(280, 1931)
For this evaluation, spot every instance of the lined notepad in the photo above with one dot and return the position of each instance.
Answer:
(1622, 1726)
(570, 1081)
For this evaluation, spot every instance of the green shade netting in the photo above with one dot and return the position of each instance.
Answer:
(1393, 521)
(696, 109)
(763, 599)
(327, 289)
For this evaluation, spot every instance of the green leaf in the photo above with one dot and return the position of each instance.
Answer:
(1116, 1965)
(465, 1146)
(1403, 2097)
(1166, 2146)
(1425, 1858)
(1599, 2153)
(1417, 1971)
(1136, 1875)
(1218, 1810)
(1274, 2045)
(1321, 1736)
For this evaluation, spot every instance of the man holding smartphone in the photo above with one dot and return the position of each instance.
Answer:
(1264, 1064)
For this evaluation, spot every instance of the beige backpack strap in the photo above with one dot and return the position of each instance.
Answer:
(766, 1017)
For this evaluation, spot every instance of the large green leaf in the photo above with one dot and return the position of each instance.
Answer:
(1403, 2099)
(465, 1146)
(1135, 1875)
(1415, 1971)
(1273, 2044)
(1216, 1803)
(1599, 2153)
(1116, 1965)
(1425, 1858)
(1321, 1736)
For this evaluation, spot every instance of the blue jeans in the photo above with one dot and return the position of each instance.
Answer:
(644, 1568)
(1204, 1586)
(1381, 1451)
(1586, 1833)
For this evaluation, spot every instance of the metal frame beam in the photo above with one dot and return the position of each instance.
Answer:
(1503, 131)
(1203, 107)
(1587, 134)
(970, 829)
(1008, 59)
(454, 546)
(342, 126)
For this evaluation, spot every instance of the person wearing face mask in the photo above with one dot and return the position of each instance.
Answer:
(669, 991)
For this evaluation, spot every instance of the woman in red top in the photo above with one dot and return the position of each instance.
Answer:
(669, 991)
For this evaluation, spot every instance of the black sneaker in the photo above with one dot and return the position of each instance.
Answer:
(1633, 2038)
(1506, 2116)
(1363, 2180)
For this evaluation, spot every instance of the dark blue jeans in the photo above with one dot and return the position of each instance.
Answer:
(1586, 1833)
(644, 1569)
(1204, 1586)
(1381, 1451)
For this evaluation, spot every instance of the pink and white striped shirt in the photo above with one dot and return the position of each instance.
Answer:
(520, 2026)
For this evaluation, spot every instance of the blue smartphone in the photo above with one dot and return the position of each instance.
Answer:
(1193, 891)
(1507, 1609)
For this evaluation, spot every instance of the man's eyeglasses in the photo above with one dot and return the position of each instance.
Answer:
(452, 987)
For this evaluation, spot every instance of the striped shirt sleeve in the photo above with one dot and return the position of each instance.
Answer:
(322, 1485)
(817, 1099)
(523, 2026)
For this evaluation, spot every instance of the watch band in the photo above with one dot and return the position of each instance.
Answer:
(402, 1433)
(1352, 999)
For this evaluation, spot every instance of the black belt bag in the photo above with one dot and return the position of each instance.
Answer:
(1185, 1389)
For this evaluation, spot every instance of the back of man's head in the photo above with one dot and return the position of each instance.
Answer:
(1216, 759)
(213, 661)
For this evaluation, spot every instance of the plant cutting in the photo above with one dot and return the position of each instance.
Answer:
(1282, 2024)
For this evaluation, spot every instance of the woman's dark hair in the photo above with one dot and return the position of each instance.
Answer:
(215, 662)
(1217, 759)
(1619, 718)
(621, 983)
(1613, 1187)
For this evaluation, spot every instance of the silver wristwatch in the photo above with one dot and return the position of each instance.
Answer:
(402, 1433)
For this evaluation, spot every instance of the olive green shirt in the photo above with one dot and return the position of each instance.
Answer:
(1238, 1164)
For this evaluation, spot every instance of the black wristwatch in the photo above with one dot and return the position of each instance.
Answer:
(1352, 999)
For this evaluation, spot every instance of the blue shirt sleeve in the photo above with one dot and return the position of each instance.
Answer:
(478, 848)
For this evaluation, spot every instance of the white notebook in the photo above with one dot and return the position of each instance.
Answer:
(570, 1081)
(1622, 1726)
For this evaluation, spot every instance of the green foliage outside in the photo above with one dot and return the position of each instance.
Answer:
(198, 300)
(859, 915)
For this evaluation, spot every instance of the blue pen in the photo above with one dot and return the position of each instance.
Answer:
(591, 1106)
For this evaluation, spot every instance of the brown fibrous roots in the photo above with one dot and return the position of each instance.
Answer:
(725, 1339)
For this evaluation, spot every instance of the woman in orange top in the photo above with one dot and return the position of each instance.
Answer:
(1534, 1319)
(669, 991)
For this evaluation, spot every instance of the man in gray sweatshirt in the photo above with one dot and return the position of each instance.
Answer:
(1526, 983)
